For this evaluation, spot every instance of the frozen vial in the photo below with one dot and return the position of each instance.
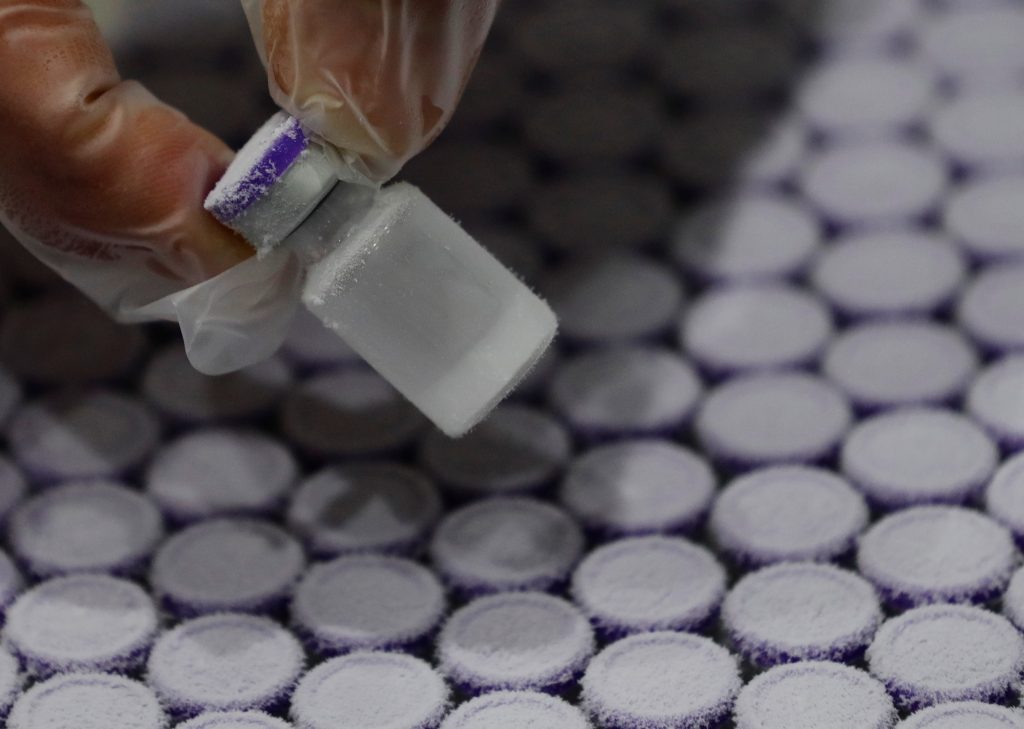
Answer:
(189, 397)
(11, 681)
(973, 714)
(892, 363)
(648, 584)
(989, 308)
(349, 413)
(12, 487)
(611, 299)
(940, 653)
(600, 211)
(628, 391)
(516, 710)
(85, 527)
(912, 456)
(738, 329)
(982, 131)
(82, 623)
(1013, 600)
(370, 691)
(786, 514)
(801, 612)
(220, 472)
(368, 602)
(976, 45)
(937, 554)
(983, 214)
(505, 543)
(517, 449)
(750, 237)
(638, 487)
(874, 183)
(64, 339)
(82, 435)
(226, 564)
(524, 641)
(235, 720)
(1004, 496)
(11, 583)
(661, 680)
(996, 401)
(866, 96)
(364, 507)
(10, 395)
(225, 662)
(88, 701)
(889, 273)
(774, 418)
(311, 347)
(814, 694)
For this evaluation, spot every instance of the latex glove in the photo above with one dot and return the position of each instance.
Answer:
(105, 183)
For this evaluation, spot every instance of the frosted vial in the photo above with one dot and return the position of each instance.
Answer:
(975, 714)
(235, 720)
(515, 710)
(88, 701)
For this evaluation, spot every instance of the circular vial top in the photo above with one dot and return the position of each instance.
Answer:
(235, 720)
(961, 714)
(367, 602)
(516, 710)
(224, 662)
(370, 691)
(661, 681)
(813, 695)
(87, 701)
(983, 129)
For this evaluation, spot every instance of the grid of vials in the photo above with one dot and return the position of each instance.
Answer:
(767, 479)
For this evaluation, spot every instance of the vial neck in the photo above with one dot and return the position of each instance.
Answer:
(331, 221)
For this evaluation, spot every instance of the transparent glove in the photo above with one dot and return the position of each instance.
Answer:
(105, 184)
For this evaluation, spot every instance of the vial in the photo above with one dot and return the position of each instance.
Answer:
(412, 293)
(87, 701)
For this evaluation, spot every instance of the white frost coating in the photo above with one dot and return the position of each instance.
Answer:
(235, 720)
(517, 448)
(874, 183)
(985, 215)
(959, 715)
(866, 96)
(227, 564)
(516, 710)
(367, 602)
(218, 471)
(661, 681)
(613, 298)
(12, 486)
(983, 129)
(801, 611)
(989, 309)
(746, 238)
(87, 701)
(370, 691)
(996, 400)
(506, 544)
(425, 305)
(976, 44)
(910, 362)
(889, 272)
(648, 584)
(85, 527)
(787, 513)
(81, 623)
(519, 641)
(814, 695)
(224, 662)
(625, 390)
(178, 390)
(1004, 496)
(10, 395)
(349, 412)
(756, 327)
(941, 653)
(364, 507)
(931, 554)
(83, 435)
(638, 486)
(773, 418)
(918, 455)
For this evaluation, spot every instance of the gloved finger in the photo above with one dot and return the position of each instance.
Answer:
(95, 169)
(378, 79)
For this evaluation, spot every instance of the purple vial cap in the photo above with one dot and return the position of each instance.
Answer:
(88, 701)
(960, 714)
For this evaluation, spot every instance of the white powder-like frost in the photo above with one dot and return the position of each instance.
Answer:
(516, 710)
(87, 701)
(965, 715)
(235, 720)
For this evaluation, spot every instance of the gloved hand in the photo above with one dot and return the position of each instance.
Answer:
(105, 183)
